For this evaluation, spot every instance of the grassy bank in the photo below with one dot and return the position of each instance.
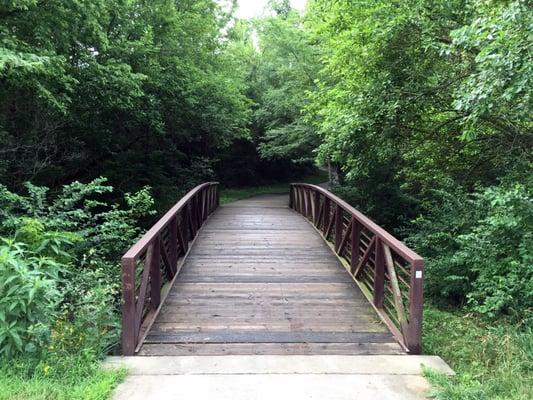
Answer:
(491, 360)
(79, 382)
(229, 195)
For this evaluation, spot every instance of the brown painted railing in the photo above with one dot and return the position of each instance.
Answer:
(153, 261)
(388, 272)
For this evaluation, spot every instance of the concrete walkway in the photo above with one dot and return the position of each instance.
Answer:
(387, 377)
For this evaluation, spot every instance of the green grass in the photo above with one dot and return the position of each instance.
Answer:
(491, 360)
(82, 382)
(228, 195)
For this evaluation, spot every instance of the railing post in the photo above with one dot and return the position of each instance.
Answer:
(326, 214)
(212, 198)
(338, 227)
(155, 275)
(206, 203)
(316, 208)
(309, 210)
(416, 302)
(305, 202)
(190, 221)
(197, 213)
(209, 200)
(201, 206)
(379, 274)
(129, 330)
(182, 234)
(354, 244)
(291, 196)
(217, 195)
(173, 243)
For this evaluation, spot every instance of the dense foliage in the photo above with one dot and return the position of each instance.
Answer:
(425, 106)
(59, 270)
(143, 92)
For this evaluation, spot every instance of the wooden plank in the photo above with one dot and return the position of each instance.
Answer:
(361, 317)
(269, 337)
(255, 278)
(267, 326)
(243, 301)
(207, 349)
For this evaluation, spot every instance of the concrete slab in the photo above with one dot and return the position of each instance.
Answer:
(313, 364)
(273, 387)
(381, 377)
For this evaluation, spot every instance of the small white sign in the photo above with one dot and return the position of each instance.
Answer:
(418, 274)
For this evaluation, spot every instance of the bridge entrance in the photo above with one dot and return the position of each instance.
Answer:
(259, 279)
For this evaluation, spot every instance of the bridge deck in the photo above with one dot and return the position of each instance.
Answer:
(260, 280)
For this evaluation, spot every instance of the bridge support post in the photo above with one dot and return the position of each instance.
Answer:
(416, 301)
(129, 330)
(291, 196)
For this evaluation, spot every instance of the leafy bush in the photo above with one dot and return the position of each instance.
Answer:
(499, 251)
(60, 272)
(102, 231)
(88, 321)
(28, 298)
(479, 250)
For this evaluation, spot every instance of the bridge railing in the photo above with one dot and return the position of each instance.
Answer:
(153, 261)
(388, 272)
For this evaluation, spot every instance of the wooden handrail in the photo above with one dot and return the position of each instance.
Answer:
(387, 271)
(153, 261)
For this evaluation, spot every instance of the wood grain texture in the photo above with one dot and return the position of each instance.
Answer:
(260, 280)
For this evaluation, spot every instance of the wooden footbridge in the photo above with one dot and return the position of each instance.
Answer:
(302, 275)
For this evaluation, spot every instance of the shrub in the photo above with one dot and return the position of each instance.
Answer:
(479, 250)
(28, 298)
(499, 251)
(89, 319)
(69, 242)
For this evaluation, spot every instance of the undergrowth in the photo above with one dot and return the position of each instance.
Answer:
(491, 360)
